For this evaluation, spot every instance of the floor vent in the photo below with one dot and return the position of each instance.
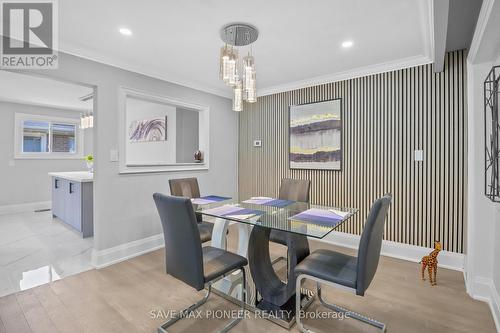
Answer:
(42, 210)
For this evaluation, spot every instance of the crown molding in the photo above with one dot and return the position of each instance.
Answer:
(44, 105)
(75, 51)
(482, 21)
(346, 75)
(427, 25)
(358, 72)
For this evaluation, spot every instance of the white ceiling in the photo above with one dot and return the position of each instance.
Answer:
(29, 89)
(299, 42)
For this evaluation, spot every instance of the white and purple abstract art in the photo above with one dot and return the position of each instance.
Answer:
(148, 130)
(315, 131)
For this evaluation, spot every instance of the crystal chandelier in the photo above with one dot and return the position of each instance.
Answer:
(237, 96)
(229, 65)
(244, 88)
(87, 120)
(249, 79)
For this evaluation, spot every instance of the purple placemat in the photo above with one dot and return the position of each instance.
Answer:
(279, 203)
(233, 212)
(318, 216)
(269, 202)
(244, 213)
(208, 199)
(258, 200)
(222, 210)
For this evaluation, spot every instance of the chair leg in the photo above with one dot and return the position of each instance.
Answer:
(235, 321)
(181, 314)
(187, 311)
(298, 310)
(349, 313)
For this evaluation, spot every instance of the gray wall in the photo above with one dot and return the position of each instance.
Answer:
(27, 181)
(187, 132)
(123, 204)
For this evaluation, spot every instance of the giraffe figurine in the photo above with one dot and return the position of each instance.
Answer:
(431, 262)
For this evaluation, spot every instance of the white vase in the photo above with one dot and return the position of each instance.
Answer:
(90, 166)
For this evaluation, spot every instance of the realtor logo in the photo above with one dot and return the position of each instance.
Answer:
(29, 34)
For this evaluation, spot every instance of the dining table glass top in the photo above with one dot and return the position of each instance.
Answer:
(303, 218)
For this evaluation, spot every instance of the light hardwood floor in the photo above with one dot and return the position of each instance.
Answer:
(120, 298)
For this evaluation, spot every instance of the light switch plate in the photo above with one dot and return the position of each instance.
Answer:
(12, 163)
(257, 143)
(113, 155)
(419, 155)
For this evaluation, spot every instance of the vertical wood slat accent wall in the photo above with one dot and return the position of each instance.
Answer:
(385, 118)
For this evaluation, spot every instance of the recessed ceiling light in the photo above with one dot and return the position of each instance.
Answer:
(126, 32)
(347, 44)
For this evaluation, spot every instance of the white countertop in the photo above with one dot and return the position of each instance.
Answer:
(76, 176)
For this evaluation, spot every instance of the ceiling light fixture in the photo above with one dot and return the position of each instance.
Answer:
(87, 120)
(234, 36)
(347, 44)
(249, 79)
(229, 65)
(238, 96)
(125, 31)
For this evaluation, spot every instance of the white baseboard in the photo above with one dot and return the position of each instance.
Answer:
(449, 260)
(25, 207)
(113, 255)
(483, 289)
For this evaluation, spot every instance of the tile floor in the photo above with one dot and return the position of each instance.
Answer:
(36, 249)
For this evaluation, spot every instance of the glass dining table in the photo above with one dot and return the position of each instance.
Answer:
(255, 218)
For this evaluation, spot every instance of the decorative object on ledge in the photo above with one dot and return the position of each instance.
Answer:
(315, 135)
(198, 156)
(430, 262)
(492, 135)
(90, 162)
(147, 130)
(237, 35)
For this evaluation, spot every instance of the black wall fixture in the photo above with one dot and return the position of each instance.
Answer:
(492, 135)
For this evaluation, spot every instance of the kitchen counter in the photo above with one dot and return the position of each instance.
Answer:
(76, 176)
(72, 200)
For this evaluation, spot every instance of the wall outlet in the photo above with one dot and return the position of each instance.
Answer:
(113, 155)
(257, 143)
(419, 155)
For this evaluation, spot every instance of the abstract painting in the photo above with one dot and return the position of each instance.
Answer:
(147, 130)
(315, 132)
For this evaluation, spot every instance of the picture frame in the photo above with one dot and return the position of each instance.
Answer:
(315, 135)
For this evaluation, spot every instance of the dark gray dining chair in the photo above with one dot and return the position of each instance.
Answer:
(188, 188)
(189, 262)
(346, 272)
(293, 190)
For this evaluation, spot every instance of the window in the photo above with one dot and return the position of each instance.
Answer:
(35, 136)
(47, 137)
(63, 138)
